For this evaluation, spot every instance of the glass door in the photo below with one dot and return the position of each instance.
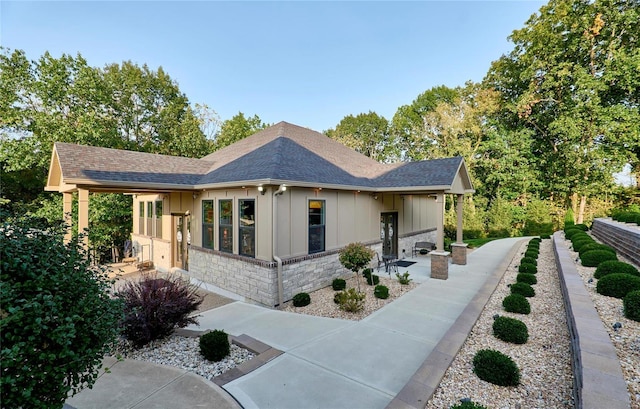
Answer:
(389, 233)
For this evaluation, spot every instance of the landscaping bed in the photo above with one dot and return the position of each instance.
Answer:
(544, 361)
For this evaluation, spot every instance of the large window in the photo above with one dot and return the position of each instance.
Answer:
(247, 228)
(149, 219)
(141, 218)
(316, 226)
(225, 227)
(158, 214)
(207, 224)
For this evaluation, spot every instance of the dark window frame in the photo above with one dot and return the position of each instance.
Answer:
(316, 220)
(247, 227)
(225, 225)
(208, 221)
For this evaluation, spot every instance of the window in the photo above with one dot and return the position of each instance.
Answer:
(141, 218)
(316, 226)
(207, 224)
(149, 218)
(158, 232)
(247, 228)
(225, 227)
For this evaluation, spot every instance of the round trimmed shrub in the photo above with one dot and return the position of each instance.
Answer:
(596, 246)
(214, 345)
(578, 244)
(516, 303)
(534, 244)
(545, 236)
(613, 267)
(631, 303)
(510, 330)
(529, 260)
(618, 285)
(527, 278)
(467, 405)
(338, 284)
(523, 289)
(593, 258)
(580, 236)
(527, 268)
(495, 367)
(301, 300)
(531, 254)
(381, 292)
(372, 279)
(536, 239)
(570, 232)
(581, 226)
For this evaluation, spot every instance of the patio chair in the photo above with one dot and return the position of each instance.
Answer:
(378, 261)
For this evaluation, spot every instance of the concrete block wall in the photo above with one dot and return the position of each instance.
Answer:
(624, 237)
(598, 379)
(406, 242)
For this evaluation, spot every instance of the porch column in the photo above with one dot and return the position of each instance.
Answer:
(67, 209)
(459, 248)
(83, 216)
(439, 257)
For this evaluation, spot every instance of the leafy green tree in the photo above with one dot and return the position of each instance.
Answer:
(123, 106)
(238, 128)
(57, 320)
(368, 134)
(573, 81)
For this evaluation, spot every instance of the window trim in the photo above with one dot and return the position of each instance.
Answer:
(206, 225)
(246, 228)
(322, 225)
(228, 227)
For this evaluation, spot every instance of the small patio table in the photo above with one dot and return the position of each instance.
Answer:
(390, 261)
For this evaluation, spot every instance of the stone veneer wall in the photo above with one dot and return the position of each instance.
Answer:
(257, 280)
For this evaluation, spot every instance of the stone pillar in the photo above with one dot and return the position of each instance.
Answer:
(459, 253)
(440, 222)
(83, 216)
(439, 264)
(67, 215)
(459, 207)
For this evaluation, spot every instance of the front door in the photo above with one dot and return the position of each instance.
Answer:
(389, 233)
(180, 240)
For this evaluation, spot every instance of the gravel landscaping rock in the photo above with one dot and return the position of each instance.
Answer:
(544, 361)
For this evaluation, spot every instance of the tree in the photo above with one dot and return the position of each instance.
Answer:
(237, 128)
(58, 318)
(573, 81)
(123, 106)
(355, 257)
(368, 134)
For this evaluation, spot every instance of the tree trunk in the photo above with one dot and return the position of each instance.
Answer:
(574, 206)
(583, 204)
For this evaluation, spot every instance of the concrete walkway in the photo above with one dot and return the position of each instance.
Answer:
(331, 363)
(328, 363)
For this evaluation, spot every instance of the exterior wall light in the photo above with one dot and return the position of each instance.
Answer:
(262, 190)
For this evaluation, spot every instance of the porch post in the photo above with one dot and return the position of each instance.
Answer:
(67, 208)
(439, 257)
(459, 248)
(83, 215)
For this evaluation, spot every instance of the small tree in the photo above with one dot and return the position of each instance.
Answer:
(57, 318)
(355, 257)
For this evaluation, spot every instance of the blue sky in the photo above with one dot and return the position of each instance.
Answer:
(308, 63)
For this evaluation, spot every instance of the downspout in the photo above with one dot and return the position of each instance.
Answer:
(274, 242)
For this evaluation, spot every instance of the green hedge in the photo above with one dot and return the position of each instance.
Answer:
(618, 285)
(594, 257)
(523, 289)
(596, 246)
(631, 304)
(510, 330)
(516, 303)
(615, 266)
(495, 367)
(527, 278)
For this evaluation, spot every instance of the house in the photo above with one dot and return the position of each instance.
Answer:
(266, 217)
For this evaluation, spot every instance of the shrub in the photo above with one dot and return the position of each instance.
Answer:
(467, 405)
(579, 244)
(527, 268)
(580, 236)
(154, 307)
(337, 297)
(381, 292)
(534, 244)
(594, 257)
(536, 240)
(510, 330)
(615, 266)
(372, 279)
(301, 300)
(214, 345)
(569, 233)
(523, 289)
(495, 367)
(529, 260)
(596, 246)
(339, 284)
(531, 254)
(581, 226)
(350, 300)
(355, 257)
(516, 303)
(404, 278)
(545, 236)
(527, 278)
(57, 319)
(618, 285)
(631, 304)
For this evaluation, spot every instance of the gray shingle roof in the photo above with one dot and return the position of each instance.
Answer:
(283, 152)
